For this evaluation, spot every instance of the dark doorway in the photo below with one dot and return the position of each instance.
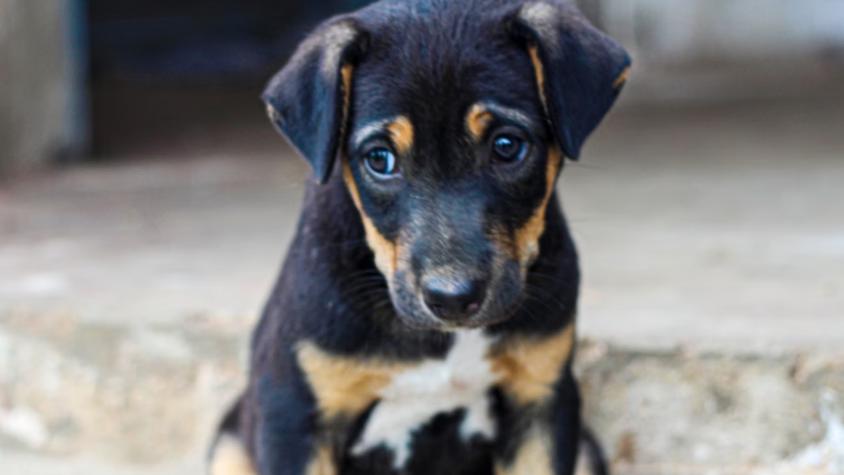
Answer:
(185, 75)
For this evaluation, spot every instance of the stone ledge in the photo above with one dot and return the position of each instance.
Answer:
(131, 400)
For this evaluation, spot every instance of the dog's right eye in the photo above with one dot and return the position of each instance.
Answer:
(381, 162)
(510, 148)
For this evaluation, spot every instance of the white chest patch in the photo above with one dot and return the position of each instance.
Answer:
(460, 381)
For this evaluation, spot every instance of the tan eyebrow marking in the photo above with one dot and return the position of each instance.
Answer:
(481, 115)
(401, 131)
(477, 120)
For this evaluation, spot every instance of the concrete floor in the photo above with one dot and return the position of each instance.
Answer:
(714, 230)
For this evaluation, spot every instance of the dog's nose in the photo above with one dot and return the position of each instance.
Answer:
(453, 299)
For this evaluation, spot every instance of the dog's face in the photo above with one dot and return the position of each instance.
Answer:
(449, 160)
(451, 137)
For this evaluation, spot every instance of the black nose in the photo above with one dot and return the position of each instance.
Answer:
(453, 299)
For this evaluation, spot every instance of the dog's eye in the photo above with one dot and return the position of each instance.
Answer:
(509, 148)
(381, 162)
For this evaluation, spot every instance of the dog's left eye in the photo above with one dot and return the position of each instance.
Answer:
(381, 162)
(509, 148)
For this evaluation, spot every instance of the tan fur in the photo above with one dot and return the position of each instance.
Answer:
(477, 120)
(230, 458)
(532, 458)
(341, 385)
(526, 238)
(539, 72)
(401, 131)
(346, 75)
(528, 368)
(322, 463)
(621, 79)
(386, 251)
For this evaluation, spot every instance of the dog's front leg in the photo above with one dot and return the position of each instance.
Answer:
(545, 435)
(306, 421)
(540, 419)
(290, 439)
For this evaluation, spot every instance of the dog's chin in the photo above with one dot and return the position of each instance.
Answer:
(418, 318)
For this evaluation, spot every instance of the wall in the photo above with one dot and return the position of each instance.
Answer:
(42, 108)
(724, 30)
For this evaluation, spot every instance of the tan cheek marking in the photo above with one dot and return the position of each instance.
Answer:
(230, 458)
(401, 131)
(477, 121)
(533, 457)
(386, 252)
(343, 386)
(528, 369)
(621, 79)
(322, 463)
(539, 71)
(526, 238)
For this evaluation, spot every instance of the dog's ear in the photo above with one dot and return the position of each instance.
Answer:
(579, 69)
(309, 99)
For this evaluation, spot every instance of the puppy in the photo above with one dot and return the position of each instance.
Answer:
(424, 320)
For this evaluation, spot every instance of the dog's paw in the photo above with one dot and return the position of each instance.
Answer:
(229, 457)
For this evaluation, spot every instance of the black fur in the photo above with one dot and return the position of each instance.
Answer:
(428, 60)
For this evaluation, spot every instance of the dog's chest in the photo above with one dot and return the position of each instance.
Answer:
(460, 382)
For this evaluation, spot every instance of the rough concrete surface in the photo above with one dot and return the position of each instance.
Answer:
(712, 244)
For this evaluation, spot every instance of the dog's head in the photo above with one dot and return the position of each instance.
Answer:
(451, 121)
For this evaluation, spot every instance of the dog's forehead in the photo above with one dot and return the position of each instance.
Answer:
(432, 66)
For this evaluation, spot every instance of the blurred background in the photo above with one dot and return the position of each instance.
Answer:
(146, 203)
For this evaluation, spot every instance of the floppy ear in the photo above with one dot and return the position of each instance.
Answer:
(308, 100)
(579, 69)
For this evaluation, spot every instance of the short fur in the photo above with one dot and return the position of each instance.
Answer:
(347, 321)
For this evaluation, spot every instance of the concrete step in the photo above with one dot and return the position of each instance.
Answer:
(96, 398)
(680, 412)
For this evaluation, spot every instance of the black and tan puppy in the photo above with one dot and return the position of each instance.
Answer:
(424, 320)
